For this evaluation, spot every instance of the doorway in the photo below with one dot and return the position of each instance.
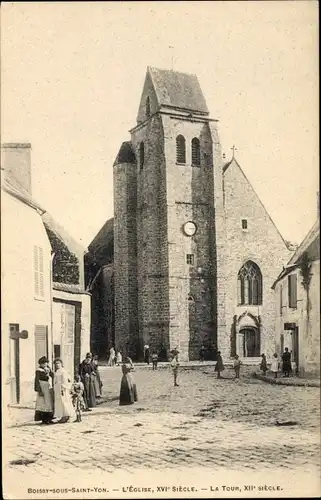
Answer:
(295, 346)
(251, 344)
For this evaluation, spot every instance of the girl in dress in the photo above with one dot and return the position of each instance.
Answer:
(64, 409)
(112, 354)
(275, 365)
(263, 365)
(128, 390)
(44, 401)
(219, 367)
(97, 380)
(77, 391)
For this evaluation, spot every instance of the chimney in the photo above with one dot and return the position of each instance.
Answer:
(16, 163)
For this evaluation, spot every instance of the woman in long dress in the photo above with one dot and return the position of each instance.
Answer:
(44, 401)
(64, 409)
(128, 390)
(111, 360)
(87, 376)
(97, 380)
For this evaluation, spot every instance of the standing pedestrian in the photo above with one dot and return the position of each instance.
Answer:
(112, 354)
(237, 365)
(119, 358)
(174, 366)
(219, 367)
(263, 365)
(146, 353)
(97, 380)
(154, 360)
(44, 401)
(286, 363)
(202, 354)
(275, 365)
(64, 409)
(87, 376)
(128, 390)
(77, 392)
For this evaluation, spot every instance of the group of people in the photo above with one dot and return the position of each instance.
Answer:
(275, 364)
(58, 398)
(115, 358)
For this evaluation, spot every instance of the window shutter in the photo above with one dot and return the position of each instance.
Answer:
(41, 277)
(281, 301)
(41, 342)
(36, 268)
(292, 284)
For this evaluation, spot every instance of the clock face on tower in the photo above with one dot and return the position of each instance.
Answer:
(189, 228)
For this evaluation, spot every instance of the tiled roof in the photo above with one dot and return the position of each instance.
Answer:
(63, 287)
(61, 233)
(178, 90)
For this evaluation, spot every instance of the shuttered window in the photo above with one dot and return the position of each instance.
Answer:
(38, 271)
(281, 301)
(180, 149)
(292, 290)
(41, 342)
(196, 152)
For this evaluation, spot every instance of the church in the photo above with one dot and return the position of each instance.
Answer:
(191, 255)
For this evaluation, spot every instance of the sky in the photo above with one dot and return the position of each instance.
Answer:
(72, 77)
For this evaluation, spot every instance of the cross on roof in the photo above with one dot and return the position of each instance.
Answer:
(233, 149)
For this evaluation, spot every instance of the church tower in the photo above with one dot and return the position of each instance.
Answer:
(169, 217)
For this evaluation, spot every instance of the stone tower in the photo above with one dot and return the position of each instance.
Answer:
(169, 222)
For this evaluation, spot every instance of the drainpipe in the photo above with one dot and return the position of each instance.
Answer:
(51, 306)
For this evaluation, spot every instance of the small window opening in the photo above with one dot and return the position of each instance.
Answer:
(147, 107)
(196, 152)
(190, 259)
(180, 149)
(141, 155)
(244, 223)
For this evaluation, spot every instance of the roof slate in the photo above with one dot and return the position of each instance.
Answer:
(178, 90)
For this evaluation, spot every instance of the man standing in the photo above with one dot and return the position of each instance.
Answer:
(202, 353)
(286, 363)
(174, 366)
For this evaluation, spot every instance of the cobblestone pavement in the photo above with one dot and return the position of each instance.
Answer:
(203, 423)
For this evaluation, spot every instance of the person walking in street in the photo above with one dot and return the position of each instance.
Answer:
(87, 376)
(174, 366)
(128, 389)
(146, 353)
(237, 365)
(263, 365)
(202, 354)
(77, 392)
(219, 367)
(97, 380)
(119, 358)
(286, 363)
(112, 355)
(275, 365)
(44, 401)
(64, 409)
(154, 360)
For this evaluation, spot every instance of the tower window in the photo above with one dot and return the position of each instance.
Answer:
(249, 284)
(190, 259)
(244, 224)
(148, 107)
(196, 152)
(180, 149)
(141, 155)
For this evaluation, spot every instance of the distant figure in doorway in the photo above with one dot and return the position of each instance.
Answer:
(44, 401)
(77, 393)
(219, 367)
(286, 363)
(146, 353)
(263, 365)
(87, 376)
(154, 360)
(275, 365)
(97, 380)
(112, 355)
(64, 409)
(119, 358)
(202, 353)
(237, 365)
(128, 390)
(174, 366)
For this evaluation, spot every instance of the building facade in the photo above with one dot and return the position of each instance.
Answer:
(195, 252)
(297, 297)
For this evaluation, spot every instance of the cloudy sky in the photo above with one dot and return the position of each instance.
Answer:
(72, 75)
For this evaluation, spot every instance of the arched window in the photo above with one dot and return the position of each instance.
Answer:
(196, 152)
(147, 107)
(249, 284)
(180, 149)
(141, 155)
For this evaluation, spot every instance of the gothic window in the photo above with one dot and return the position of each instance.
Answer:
(196, 152)
(147, 107)
(180, 149)
(141, 155)
(249, 284)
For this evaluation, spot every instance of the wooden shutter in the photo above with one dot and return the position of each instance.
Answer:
(38, 271)
(36, 268)
(281, 301)
(292, 285)
(41, 342)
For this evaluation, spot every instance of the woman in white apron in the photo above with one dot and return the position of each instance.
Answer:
(64, 409)
(44, 401)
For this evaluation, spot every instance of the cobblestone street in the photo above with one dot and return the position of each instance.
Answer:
(204, 424)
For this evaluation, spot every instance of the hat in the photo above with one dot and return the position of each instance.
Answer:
(42, 360)
(89, 355)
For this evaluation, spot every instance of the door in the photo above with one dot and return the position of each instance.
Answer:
(295, 346)
(251, 342)
(68, 340)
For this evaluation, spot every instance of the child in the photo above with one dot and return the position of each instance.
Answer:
(275, 365)
(263, 365)
(174, 365)
(237, 365)
(77, 391)
(219, 367)
(154, 360)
